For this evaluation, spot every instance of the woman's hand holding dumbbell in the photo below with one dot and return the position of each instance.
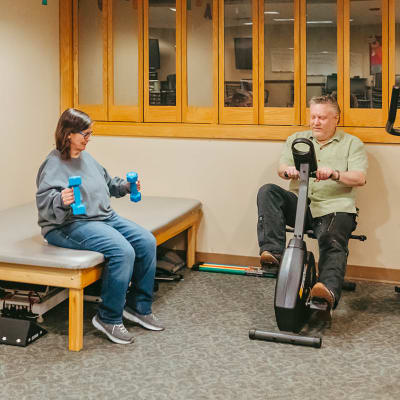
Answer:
(67, 196)
(133, 179)
(138, 187)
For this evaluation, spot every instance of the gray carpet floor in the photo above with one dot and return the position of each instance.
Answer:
(206, 354)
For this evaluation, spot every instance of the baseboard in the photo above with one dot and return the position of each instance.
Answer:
(226, 259)
(356, 272)
(373, 274)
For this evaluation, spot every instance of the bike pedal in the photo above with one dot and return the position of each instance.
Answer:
(318, 305)
(323, 311)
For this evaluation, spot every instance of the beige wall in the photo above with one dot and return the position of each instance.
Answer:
(30, 91)
(223, 174)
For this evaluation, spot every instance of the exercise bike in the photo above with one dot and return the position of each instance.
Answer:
(297, 273)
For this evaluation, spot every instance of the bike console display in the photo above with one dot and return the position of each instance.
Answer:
(304, 153)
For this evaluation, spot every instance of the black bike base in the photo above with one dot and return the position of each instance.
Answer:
(289, 338)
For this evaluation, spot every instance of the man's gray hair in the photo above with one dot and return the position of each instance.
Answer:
(326, 99)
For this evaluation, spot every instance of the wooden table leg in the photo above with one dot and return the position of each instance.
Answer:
(191, 246)
(75, 319)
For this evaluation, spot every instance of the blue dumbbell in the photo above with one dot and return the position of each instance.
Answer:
(132, 178)
(77, 207)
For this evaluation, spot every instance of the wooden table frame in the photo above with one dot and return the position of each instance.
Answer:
(77, 279)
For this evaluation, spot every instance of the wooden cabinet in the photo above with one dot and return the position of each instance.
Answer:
(228, 69)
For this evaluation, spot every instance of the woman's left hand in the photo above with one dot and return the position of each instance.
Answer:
(138, 186)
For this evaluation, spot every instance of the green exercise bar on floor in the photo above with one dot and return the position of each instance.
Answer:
(233, 269)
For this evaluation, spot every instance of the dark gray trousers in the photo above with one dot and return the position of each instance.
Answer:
(277, 208)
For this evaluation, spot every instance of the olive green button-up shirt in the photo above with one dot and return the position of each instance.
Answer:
(343, 152)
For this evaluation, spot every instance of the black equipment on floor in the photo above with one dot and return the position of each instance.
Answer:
(285, 338)
(18, 326)
(297, 272)
(169, 263)
(19, 332)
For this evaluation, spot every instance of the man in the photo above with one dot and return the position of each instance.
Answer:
(342, 164)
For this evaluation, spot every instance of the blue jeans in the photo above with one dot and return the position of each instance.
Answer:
(130, 253)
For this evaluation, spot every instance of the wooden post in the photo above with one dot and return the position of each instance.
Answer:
(75, 319)
(191, 245)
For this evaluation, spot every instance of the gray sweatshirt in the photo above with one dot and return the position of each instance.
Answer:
(96, 188)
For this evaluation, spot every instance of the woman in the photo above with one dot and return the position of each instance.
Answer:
(129, 250)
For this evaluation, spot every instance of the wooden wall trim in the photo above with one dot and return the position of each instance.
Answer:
(221, 131)
(96, 111)
(118, 112)
(356, 272)
(392, 43)
(215, 131)
(66, 65)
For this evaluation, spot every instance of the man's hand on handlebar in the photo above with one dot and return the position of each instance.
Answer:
(324, 173)
(321, 174)
(291, 173)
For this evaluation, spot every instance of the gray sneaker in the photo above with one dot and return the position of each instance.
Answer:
(117, 333)
(146, 321)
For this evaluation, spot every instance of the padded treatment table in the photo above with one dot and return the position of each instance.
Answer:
(25, 256)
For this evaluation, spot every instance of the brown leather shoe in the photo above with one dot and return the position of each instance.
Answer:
(321, 292)
(269, 260)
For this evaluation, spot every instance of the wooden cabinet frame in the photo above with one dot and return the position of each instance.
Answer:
(370, 122)
(193, 114)
(305, 110)
(238, 115)
(280, 115)
(66, 55)
(163, 113)
(96, 111)
(368, 117)
(116, 112)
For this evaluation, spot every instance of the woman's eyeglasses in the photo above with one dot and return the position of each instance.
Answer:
(86, 135)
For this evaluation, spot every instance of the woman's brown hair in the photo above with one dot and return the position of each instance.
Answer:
(71, 121)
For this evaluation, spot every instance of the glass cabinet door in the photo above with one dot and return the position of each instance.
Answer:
(366, 63)
(238, 57)
(162, 61)
(322, 39)
(200, 61)
(125, 62)
(90, 57)
(279, 95)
